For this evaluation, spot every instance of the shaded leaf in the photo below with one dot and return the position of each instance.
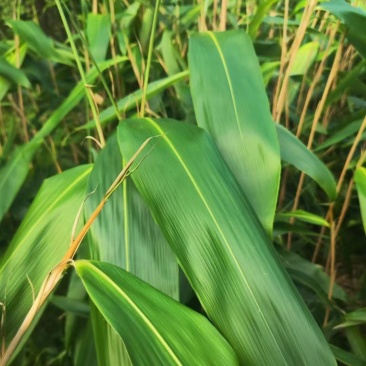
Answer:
(347, 358)
(37, 41)
(360, 179)
(310, 275)
(13, 74)
(40, 243)
(14, 172)
(294, 152)
(132, 100)
(126, 235)
(147, 320)
(12, 58)
(356, 317)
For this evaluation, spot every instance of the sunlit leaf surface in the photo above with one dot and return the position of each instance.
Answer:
(221, 246)
(156, 329)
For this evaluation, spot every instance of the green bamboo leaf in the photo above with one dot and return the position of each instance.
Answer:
(12, 59)
(98, 29)
(156, 329)
(353, 18)
(126, 235)
(39, 244)
(347, 358)
(310, 275)
(305, 58)
(13, 74)
(174, 64)
(132, 100)
(38, 42)
(261, 12)
(303, 216)
(14, 172)
(360, 179)
(350, 130)
(231, 103)
(221, 246)
(294, 152)
(356, 317)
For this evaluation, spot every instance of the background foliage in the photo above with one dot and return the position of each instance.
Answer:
(284, 107)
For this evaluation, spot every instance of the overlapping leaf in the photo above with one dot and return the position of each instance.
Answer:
(222, 247)
(297, 154)
(156, 329)
(40, 243)
(126, 235)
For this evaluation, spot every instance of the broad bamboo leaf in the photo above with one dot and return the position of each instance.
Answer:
(98, 29)
(132, 100)
(360, 179)
(156, 329)
(126, 235)
(221, 246)
(294, 152)
(353, 18)
(231, 103)
(40, 243)
(14, 172)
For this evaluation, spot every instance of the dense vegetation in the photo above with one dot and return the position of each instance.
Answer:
(182, 183)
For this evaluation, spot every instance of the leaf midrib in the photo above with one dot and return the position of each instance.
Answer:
(190, 176)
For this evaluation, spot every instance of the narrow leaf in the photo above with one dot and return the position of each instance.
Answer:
(360, 179)
(43, 46)
(294, 152)
(13, 74)
(304, 216)
(156, 329)
(132, 100)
